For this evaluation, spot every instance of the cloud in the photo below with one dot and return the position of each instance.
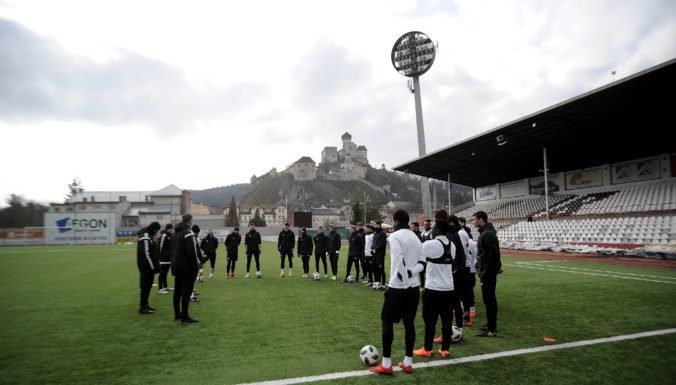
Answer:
(40, 81)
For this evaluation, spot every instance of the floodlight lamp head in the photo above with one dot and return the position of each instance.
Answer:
(413, 54)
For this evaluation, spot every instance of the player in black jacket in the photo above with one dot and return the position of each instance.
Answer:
(488, 267)
(305, 250)
(355, 251)
(185, 263)
(232, 242)
(320, 249)
(147, 263)
(209, 245)
(252, 241)
(333, 249)
(165, 257)
(378, 252)
(285, 244)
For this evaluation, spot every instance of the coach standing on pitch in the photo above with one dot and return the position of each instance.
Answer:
(185, 262)
(147, 264)
(488, 268)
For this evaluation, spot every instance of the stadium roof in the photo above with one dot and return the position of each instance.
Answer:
(628, 119)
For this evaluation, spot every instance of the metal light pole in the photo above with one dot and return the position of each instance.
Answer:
(412, 55)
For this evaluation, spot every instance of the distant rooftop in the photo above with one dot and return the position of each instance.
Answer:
(346, 135)
(304, 159)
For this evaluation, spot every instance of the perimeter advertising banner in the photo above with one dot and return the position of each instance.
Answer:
(537, 185)
(486, 193)
(645, 169)
(592, 177)
(513, 189)
(80, 228)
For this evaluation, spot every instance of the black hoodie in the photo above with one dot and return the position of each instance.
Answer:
(488, 251)
(146, 257)
(185, 258)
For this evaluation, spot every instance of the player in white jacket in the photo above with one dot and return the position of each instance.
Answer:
(470, 277)
(368, 255)
(402, 295)
(439, 293)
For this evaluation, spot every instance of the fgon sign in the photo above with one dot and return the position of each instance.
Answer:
(90, 228)
(68, 224)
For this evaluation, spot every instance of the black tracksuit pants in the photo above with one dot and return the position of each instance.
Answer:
(333, 258)
(306, 263)
(322, 256)
(145, 284)
(354, 259)
(256, 255)
(164, 272)
(183, 289)
(488, 284)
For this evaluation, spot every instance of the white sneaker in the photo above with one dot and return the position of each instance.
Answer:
(247, 275)
(163, 291)
(211, 275)
(290, 273)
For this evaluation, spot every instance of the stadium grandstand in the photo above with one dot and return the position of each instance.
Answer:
(595, 173)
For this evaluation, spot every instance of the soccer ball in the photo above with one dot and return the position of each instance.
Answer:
(350, 279)
(369, 355)
(259, 274)
(376, 286)
(457, 335)
(316, 276)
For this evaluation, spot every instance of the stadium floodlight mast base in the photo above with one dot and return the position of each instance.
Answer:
(412, 55)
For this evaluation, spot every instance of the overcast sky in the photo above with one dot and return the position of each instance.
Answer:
(136, 95)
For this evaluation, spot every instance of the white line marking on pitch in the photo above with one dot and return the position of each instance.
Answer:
(463, 360)
(600, 271)
(586, 273)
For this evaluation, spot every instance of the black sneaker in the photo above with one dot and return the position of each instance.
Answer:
(188, 320)
(177, 317)
(151, 308)
(486, 333)
(145, 310)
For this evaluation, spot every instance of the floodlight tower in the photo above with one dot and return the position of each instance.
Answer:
(412, 55)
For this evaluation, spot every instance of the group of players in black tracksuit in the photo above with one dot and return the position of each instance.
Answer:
(177, 249)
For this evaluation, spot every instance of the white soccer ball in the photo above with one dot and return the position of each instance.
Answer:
(369, 355)
(376, 285)
(350, 279)
(316, 276)
(259, 274)
(457, 335)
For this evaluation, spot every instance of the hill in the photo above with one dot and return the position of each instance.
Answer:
(220, 196)
(380, 186)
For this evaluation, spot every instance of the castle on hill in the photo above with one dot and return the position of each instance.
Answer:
(348, 163)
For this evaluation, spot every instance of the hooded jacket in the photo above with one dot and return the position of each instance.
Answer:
(146, 257)
(320, 243)
(185, 257)
(209, 244)
(286, 241)
(304, 244)
(333, 242)
(488, 251)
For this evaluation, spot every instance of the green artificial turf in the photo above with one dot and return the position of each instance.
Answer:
(70, 316)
